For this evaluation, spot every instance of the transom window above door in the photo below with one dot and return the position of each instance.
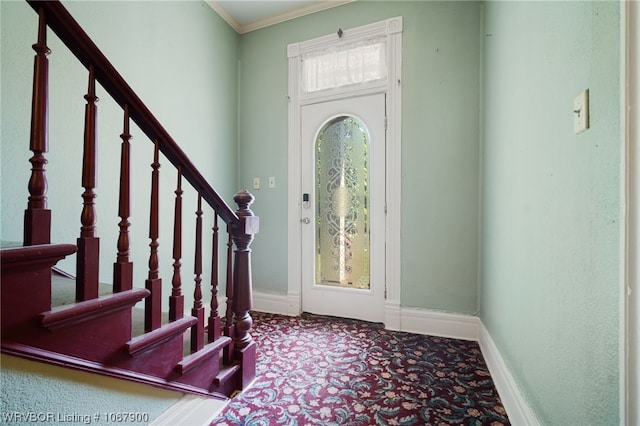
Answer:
(344, 65)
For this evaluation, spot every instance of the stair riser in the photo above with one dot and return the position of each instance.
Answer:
(97, 340)
(26, 283)
(203, 376)
(158, 361)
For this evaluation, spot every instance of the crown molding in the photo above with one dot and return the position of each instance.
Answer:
(213, 4)
(317, 6)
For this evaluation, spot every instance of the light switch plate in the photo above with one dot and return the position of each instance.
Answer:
(272, 182)
(256, 183)
(581, 112)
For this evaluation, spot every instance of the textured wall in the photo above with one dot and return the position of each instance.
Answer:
(550, 281)
(440, 133)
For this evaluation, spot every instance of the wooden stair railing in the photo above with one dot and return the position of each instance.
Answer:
(222, 353)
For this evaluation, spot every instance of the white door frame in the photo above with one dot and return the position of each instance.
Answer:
(391, 30)
(630, 233)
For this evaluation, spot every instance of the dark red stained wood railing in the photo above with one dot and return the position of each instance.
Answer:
(229, 329)
(206, 339)
(242, 274)
(75, 38)
(89, 243)
(123, 267)
(197, 332)
(153, 303)
(213, 329)
(37, 218)
(176, 301)
(244, 346)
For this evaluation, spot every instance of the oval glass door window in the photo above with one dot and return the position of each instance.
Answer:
(342, 210)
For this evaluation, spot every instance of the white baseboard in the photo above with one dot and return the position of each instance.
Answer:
(275, 303)
(392, 316)
(191, 410)
(295, 304)
(270, 303)
(443, 324)
(517, 407)
(397, 318)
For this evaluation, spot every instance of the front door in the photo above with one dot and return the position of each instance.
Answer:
(343, 208)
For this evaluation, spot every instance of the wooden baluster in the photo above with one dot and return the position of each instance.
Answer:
(243, 232)
(89, 243)
(37, 218)
(214, 317)
(123, 267)
(229, 329)
(197, 331)
(153, 314)
(176, 301)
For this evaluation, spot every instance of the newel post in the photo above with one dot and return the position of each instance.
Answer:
(243, 234)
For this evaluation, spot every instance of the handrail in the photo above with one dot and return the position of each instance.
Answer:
(83, 48)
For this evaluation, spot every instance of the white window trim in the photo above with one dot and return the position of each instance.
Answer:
(391, 29)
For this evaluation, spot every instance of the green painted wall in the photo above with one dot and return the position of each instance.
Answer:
(551, 215)
(181, 59)
(440, 134)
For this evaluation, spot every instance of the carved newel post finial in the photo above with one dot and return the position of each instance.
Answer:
(243, 235)
(244, 199)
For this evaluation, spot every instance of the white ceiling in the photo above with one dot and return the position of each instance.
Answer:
(249, 15)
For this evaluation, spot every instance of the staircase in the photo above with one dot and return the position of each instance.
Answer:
(204, 352)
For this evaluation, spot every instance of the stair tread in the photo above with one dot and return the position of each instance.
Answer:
(155, 337)
(196, 358)
(75, 313)
(37, 256)
(63, 290)
(10, 244)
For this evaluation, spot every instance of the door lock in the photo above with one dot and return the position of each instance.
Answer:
(305, 220)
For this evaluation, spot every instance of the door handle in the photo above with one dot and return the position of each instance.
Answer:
(305, 220)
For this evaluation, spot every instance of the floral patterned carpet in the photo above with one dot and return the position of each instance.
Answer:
(315, 370)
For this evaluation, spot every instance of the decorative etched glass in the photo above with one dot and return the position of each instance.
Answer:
(342, 204)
